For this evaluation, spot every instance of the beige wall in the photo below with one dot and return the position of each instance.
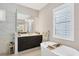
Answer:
(45, 24)
(45, 18)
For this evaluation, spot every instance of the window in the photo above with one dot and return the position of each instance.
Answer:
(2, 15)
(64, 22)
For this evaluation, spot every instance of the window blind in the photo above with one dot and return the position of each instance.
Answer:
(63, 21)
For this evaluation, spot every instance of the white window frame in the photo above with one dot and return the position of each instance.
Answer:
(71, 38)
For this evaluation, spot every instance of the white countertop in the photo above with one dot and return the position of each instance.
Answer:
(31, 34)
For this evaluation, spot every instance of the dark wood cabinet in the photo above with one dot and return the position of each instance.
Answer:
(29, 42)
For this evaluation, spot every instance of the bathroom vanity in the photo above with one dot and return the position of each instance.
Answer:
(27, 41)
(26, 37)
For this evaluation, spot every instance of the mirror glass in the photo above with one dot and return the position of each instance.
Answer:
(24, 22)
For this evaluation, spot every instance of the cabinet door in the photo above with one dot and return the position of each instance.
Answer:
(37, 40)
(20, 44)
(24, 43)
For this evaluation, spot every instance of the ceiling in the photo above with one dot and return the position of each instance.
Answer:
(37, 6)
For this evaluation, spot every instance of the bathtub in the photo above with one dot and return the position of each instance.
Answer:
(59, 51)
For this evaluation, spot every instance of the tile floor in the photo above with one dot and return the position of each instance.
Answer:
(30, 52)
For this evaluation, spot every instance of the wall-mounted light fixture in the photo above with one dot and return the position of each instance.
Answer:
(2, 15)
